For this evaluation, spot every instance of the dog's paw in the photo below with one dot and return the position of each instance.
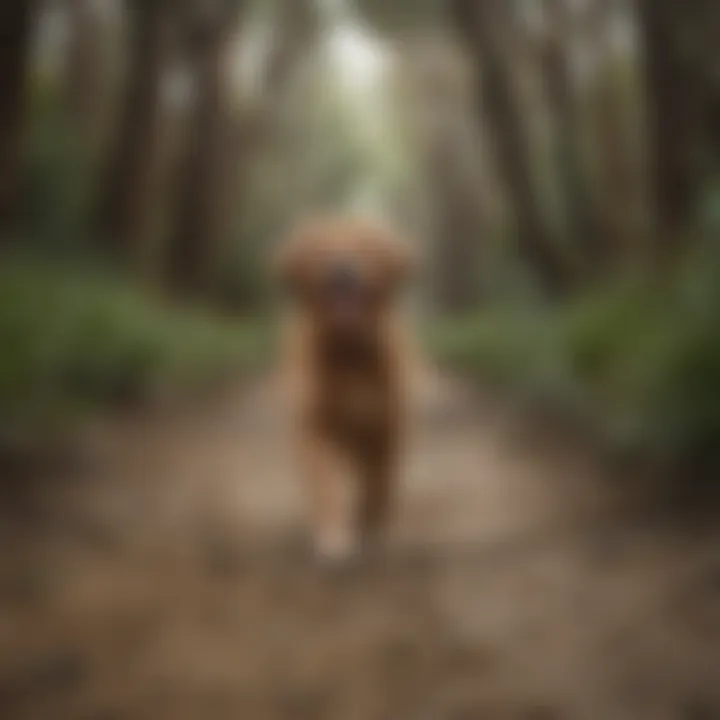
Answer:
(335, 546)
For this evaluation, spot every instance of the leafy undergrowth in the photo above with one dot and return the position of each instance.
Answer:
(640, 366)
(76, 340)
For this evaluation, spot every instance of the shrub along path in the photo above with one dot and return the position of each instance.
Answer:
(166, 577)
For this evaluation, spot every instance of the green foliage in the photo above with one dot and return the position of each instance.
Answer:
(401, 15)
(639, 363)
(242, 282)
(57, 174)
(72, 340)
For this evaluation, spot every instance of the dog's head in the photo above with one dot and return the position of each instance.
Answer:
(345, 271)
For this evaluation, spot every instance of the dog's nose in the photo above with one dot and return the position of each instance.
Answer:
(343, 277)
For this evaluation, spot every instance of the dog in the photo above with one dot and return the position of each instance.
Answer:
(346, 364)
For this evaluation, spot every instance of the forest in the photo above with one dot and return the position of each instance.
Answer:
(556, 165)
(555, 161)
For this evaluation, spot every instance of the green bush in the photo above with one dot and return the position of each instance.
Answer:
(74, 339)
(642, 364)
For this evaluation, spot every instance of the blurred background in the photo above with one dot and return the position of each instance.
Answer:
(557, 163)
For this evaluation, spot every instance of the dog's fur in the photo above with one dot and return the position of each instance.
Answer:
(347, 386)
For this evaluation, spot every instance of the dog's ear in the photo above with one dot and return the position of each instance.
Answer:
(397, 257)
(291, 258)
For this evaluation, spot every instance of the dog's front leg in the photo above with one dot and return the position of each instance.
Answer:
(326, 470)
(377, 491)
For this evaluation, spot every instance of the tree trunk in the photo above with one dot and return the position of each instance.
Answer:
(582, 216)
(15, 29)
(296, 29)
(193, 252)
(675, 112)
(250, 134)
(457, 251)
(125, 193)
(478, 22)
(84, 67)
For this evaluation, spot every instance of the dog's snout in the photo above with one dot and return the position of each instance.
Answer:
(343, 276)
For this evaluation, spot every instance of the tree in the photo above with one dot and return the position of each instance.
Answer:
(683, 96)
(440, 117)
(256, 130)
(457, 251)
(123, 201)
(193, 248)
(295, 29)
(583, 221)
(15, 29)
(400, 15)
(479, 22)
(84, 65)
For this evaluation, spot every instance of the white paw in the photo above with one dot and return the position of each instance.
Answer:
(335, 545)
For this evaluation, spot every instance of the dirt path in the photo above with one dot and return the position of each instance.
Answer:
(167, 578)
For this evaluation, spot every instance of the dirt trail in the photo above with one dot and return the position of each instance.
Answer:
(168, 578)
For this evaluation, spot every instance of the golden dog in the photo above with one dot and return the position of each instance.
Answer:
(346, 358)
